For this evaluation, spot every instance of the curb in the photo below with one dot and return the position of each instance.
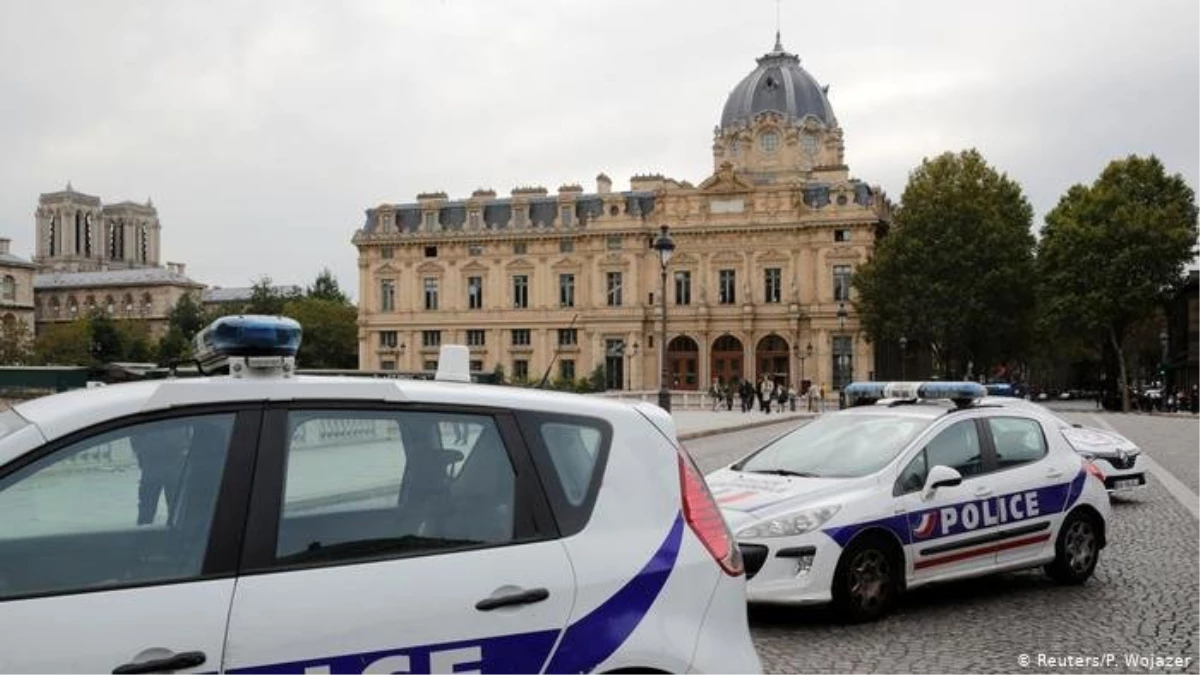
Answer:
(702, 433)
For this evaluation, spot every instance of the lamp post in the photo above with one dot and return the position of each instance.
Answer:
(1164, 340)
(903, 354)
(666, 248)
(632, 353)
(807, 353)
(841, 358)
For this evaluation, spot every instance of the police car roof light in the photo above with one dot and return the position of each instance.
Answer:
(454, 364)
(959, 392)
(262, 342)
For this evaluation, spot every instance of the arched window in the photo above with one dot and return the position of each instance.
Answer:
(109, 305)
(72, 306)
(55, 309)
(128, 303)
(90, 303)
(147, 303)
(8, 287)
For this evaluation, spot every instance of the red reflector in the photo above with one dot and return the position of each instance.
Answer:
(703, 515)
(1091, 468)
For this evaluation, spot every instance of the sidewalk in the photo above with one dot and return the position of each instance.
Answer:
(691, 424)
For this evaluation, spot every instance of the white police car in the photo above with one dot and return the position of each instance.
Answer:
(270, 523)
(1115, 456)
(860, 504)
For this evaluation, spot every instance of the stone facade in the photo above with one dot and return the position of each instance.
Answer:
(759, 283)
(16, 288)
(93, 256)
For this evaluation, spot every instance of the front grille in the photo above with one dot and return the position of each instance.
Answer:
(1122, 462)
(753, 557)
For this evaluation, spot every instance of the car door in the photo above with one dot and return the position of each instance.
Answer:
(119, 544)
(947, 526)
(1033, 484)
(401, 539)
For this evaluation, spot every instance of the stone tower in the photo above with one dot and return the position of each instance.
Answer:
(76, 233)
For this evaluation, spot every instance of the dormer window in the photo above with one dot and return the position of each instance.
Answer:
(809, 144)
(473, 220)
(430, 220)
(769, 141)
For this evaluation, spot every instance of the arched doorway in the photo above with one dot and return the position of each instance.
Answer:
(771, 357)
(683, 355)
(726, 360)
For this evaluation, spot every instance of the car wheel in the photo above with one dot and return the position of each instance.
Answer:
(1077, 549)
(865, 585)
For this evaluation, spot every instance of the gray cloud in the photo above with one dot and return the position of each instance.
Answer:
(262, 131)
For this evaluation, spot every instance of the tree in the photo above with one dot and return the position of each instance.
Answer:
(597, 380)
(330, 337)
(326, 288)
(498, 375)
(16, 348)
(266, 299)
(1111, 251)
(64, 344)
(956, 272)
(106, 340)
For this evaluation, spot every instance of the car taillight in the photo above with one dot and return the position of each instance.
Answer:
(1091, 468)
(703, 515)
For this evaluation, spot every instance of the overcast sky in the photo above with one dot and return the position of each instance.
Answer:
(263, 130)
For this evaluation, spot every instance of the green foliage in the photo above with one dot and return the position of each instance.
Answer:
(107, 343)
(266, 299)
(326, 288)
(330, 338)
(1112, 251)
(63, 344)
(956, 272)
(16, 347)
(597, 380)
(498, 374)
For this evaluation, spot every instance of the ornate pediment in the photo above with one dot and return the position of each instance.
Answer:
(773, 255)
(430, 268)
(566, 263)
(725, 181)
(613, 259)
(519, 264)
(727, 257)
(386, 268)
(684, 259)
(475, 266)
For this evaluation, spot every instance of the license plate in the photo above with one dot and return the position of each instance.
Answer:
(1126, 484)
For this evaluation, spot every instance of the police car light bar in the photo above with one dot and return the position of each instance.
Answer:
(454, 364)
(959, 392)
(248, 344)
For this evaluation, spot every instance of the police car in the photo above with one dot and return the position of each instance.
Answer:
(264, 522)
(913, 484)
(1115, 456)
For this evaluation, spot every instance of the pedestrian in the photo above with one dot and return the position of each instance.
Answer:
(729, 395)
(160, 452)
(764, 395)
(747, 396)
(782, 396)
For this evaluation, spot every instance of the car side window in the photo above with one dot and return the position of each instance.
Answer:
(957, 447)
(127, 506)
(574, 449)
(367, 484)
(1017, 440)
(912, 478)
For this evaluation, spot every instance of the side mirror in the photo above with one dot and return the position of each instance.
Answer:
(941, 476)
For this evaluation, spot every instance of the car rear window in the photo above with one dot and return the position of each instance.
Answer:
(573, 449)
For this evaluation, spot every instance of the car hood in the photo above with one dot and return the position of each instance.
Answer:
(751, 497)
(1098, 442)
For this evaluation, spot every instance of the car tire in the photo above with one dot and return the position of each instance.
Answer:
(866, 582)
(1077, 549)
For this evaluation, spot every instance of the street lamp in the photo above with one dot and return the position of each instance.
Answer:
(807, 353)
(666, 248)
(1164, 339)
(903, 354)
(840, 357)
(632, 353)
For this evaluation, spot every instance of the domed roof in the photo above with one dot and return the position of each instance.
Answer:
(778, 84)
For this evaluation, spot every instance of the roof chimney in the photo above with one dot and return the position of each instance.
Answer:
(4, 244)
(603, 184)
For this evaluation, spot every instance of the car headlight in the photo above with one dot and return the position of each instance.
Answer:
(791, 524)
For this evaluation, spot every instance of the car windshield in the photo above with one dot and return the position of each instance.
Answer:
(837, 446)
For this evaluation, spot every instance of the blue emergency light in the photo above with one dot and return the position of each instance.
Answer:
(866, 393)
(260, 341)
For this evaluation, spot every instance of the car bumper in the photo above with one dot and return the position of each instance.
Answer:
(1121, 478)
(790, 570)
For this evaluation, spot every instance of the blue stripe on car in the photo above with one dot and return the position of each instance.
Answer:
(585, 644)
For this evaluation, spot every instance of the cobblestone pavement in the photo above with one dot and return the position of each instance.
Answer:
(1142, 601)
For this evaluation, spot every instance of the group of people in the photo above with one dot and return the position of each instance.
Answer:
(767, 393)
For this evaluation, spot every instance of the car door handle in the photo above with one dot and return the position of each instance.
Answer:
(983, 491)
(1054, 473)
(519, 598)
(170, 663)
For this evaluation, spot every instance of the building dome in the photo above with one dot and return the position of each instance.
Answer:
(778, 84)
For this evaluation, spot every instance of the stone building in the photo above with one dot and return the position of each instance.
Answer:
(91, 256)
(16, 288)
(759, 283)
